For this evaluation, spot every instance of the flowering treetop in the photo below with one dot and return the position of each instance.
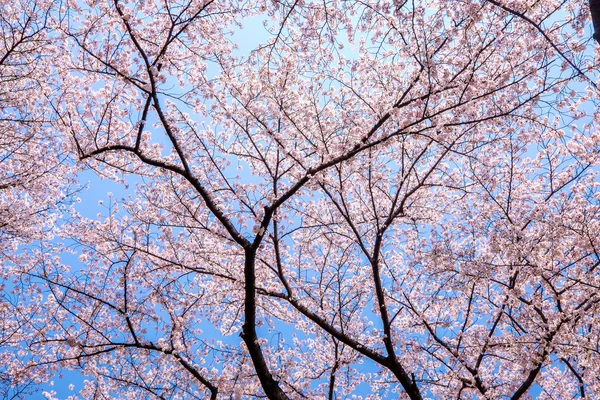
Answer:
(379, 199)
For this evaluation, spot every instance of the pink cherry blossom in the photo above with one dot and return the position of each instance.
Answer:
(315, 199)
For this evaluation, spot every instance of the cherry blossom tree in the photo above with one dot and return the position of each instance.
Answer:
(323, 199)
(32, 169)
(34, 175)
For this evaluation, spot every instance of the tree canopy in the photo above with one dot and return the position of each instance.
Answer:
(315, 199)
